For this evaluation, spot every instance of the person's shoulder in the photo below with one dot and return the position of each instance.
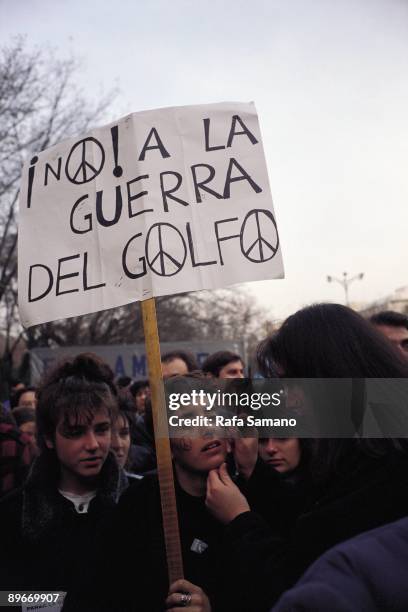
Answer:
(140, 487)
(373, 546)
(364, 573)
(366, 556)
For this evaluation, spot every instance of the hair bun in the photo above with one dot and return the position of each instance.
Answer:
(86, 366)
(92, 367)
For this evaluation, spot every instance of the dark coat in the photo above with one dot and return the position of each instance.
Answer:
(269, 554)
(16, 455)
(367, 573)
(135, 536)
(45, 542)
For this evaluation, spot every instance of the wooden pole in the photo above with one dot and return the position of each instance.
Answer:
(161, 434)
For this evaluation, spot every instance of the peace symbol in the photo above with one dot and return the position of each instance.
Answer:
(258, 223)
(85, 161)
(162, 262)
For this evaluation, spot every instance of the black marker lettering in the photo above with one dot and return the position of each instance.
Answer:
(87, 217)
(191, 248)
(126, 270)
(85, 161)
(244, 177)
(162, 262)
(85, 276)
(222, 238)
(207, 137)
(166, 192)
(61, 277)
(159, 145)
(117, 171)
(31, 172)
(99, 209)
(56, 173)
(260, 248)
(30, 278)
(135, 196)
(201, 184)
(244, 130)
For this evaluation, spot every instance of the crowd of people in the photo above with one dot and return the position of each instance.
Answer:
(265, 523)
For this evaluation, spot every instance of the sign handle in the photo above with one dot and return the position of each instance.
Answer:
(161, 434)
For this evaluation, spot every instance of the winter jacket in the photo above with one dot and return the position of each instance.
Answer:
(365, 574)
(135, 535)
(45, 542)
(270, 553)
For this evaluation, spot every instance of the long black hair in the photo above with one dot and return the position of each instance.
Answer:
(329, 341)
(333, 341)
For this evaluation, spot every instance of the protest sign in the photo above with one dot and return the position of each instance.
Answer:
(157, 203)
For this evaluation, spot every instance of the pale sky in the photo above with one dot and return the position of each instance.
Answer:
(330, 82)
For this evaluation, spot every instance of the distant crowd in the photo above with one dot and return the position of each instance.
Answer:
(265, 523)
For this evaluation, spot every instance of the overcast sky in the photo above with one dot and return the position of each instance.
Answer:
(330, 82)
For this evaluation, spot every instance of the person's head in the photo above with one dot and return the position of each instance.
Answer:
(25, 398)
(178, 363)
(332, 341)
(329, 341)
(77, 402)
(140, 391)
(120, 438)
(204, 448)
(283, 454)
(25, 419)
(224, 364)
(123, 382)
(394, 325)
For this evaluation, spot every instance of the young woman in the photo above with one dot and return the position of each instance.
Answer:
(120, 438)
(137, 522)
(73, 485)
(282, 454)
(351, 485)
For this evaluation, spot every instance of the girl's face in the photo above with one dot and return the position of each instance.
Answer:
(140, 399)
(28, 428)
(202, 453)
(81, 449)
(283, 454)
(120, 444)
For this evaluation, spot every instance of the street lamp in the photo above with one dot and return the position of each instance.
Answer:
(345, 282)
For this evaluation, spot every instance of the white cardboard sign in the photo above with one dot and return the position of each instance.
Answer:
(157, 203)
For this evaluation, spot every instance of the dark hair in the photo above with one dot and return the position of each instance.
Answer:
(126, 407)
(391, 318)
(15, 396)
(329, 341)
(137, 386)
(24, 415)
(123, 381)
(185, 356)
(75, 389)
(333, 341)
(215, 362)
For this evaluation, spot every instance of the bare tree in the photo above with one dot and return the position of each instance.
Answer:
(204, 315)
(39, 106)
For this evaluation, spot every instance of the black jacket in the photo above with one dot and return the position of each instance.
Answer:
(45, 542)
(131, 573)
(270, 552)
